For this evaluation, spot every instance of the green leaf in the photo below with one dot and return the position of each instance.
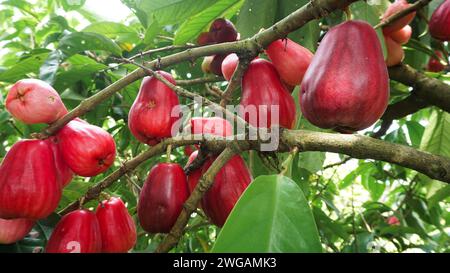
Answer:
(271, 216)
(415, 131)
(439, 195)
(48, 70)
(114, 30)
(24, 67)
(351, 177)
(192, 27)
(81, 41)
(69, 5)
(254, 15)
(151, 32)
(311, 161)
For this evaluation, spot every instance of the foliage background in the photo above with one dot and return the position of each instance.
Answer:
(67, 44)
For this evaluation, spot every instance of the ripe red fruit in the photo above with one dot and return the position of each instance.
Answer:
(262, 89)
(117, 228)
(63, 173)
(211, 126)
(223, 30)
(229, 184)
(394, 8)
(77, 232)
(290, 59)
(393, 221)
(195, 175)
(14, 230)
(402, 36)
(439, 24)
(395, 52)
(353, 91)
(28, 182)
(87, 149)
(34, 101)
(204, 39)
(188, 150)
(435, 65)
(229, 65)
(162, 197)
(151, 119)
(216, 64)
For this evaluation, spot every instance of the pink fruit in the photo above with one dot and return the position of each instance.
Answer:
(87, 149)
(229, 65)
(290, 59)
(435, 65)
(211, 126)
(63, 173)
(395, 52)
(28, 181)
(34, 101)
(394, 8)
(402, 36)
(439, 24)
(14, 230)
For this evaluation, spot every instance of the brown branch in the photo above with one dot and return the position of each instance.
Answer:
(161, 49)
(200, 81)
(394, 17)
(235, 79)
(190, 205)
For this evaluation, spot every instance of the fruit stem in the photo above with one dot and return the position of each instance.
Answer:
(168, 153)
(348, 13)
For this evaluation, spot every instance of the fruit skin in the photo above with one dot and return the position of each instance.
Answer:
(77, 232)
(87, 149)
(216, 64)
(194, 176)
(28, 182)
(393, 221)
(346, 87)
(434, 65)
(117, 228)
(204, 39)
(229, 184)
(34, 101)
(211, 126)
(395, 52)
(290, 59)
(402, 36)
(394, 8)
(229, 65)
(63, 173)
(439, 24)
(206, 64)
(223, 30)
(188, 150)
(162, 197)
(14, 230)
(150, 118)
(261, 86)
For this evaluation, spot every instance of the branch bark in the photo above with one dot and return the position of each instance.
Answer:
(413, 7)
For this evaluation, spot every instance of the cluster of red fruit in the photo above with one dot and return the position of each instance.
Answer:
(34, 171)
(439, 27)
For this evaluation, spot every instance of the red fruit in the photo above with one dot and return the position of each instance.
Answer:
(211, 126)
(204, 39)
(151, 118)
(289, 88)
(261, 90)
(188, 150)
(439, 24)
(162, 197)
(28, 182)
(290, 59)
(216, 64)
(229, 184)
(77, 232)
(435, 65)
(229, 65)
(206, 64)
(393, 221)
(63, 173)
(14, 230)
(116, 226)
(87, 149)
(346, 87)
(34, 101)
(402, 36)
(395, 52)
(223, 30)
(394, 8)
(195, 175)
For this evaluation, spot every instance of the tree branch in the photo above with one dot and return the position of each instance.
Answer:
(413, 7)
(200, 81)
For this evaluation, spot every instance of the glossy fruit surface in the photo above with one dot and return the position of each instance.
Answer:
(116, 226)
(87, 149)
(34, 101)
(222, 30)
(195, 175)
(216, 64)
(346, 87)
(14, 230)
(435, 65)
(162, 197)
(439, 24)
(394, 8)
(63, 173)
(204, 39)
(76, 232)
(229, 184)
(402, 36)
(266, 102)
(151, 118)
(28, 182)
(290, 59)
(211, 126)
(229, 65)
(395, 52)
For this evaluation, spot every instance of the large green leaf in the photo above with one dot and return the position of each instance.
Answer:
(81, 41)
(254, 15)
(114, 30)
(271, 216)
(21, 69)
(192, 27)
